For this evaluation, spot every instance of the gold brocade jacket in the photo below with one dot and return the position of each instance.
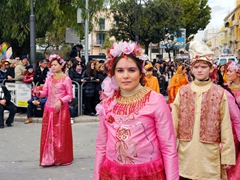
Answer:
(210, 114)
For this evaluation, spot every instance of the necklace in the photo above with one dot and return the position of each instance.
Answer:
(234, 86)
(59, 75)
(132, 104)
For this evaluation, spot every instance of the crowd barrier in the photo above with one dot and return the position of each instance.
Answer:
(21, 92)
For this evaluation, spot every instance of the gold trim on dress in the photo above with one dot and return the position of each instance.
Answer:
(202, 83)
(59, 76)
(132, 104)
(235, 87)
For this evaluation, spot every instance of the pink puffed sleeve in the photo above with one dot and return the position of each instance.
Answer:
(167, 139)
(101, 142)
(234, 113)
(69, 92)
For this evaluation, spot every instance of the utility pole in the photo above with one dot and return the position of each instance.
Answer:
(32, 37)
(86, 33)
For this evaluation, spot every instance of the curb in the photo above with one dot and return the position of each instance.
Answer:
(78, 119)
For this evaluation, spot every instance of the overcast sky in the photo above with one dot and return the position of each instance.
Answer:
(220, 9)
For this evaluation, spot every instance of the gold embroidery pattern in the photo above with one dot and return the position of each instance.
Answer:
(210, 114)
(126, 153)
(133, 104)
(186, 117)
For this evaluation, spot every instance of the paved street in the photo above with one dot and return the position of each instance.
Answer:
(19, 153)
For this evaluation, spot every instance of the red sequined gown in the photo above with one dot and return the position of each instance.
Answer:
(56, 147)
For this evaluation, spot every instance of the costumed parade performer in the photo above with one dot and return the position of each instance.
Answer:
(233, 74)
(202, 121)
(56, 147)
(135, 138)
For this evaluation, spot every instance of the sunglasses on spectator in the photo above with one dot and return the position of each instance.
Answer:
(79, 64)
(6, 64)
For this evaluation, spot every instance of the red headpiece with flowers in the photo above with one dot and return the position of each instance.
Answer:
(109, 84)
(124, 48)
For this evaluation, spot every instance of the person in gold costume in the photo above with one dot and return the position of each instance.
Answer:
(178, 80)
(201, 121)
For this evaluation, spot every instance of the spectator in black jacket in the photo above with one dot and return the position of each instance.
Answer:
(10, 69)
(41, 72)
(3, 72)
(89, 88)
(6, 104)
(76, 51)
(101, 75)
(76, 71)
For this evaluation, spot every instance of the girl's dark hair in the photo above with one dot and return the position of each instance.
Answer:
(89, 70)
(58, 60)
(138, 63)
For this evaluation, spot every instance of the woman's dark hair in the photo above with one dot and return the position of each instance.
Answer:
(138, 63)
(184, 67)
(75, 63)
(89, 70)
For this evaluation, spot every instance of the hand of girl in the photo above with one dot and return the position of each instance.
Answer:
(58, 106)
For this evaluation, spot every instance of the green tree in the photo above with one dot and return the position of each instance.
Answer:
(52, 18)
(107, 44)
(151, 19)
(197, 15)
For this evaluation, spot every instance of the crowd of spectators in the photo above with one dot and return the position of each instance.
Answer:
(92, 75)
(19, 70)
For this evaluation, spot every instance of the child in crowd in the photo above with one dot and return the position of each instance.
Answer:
(28, 77)
(151, 81)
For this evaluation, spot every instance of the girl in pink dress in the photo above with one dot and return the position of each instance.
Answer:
(135, 140)
(56, 147)
(233, 75)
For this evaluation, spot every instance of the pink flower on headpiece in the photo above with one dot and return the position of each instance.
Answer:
(53, 56)
(137, 50)
(56, 56)
(234, 66)
(127, 48)
(116, 51)
(109, 85)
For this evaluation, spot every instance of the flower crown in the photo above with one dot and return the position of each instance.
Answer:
(234, 66)
(52, 57)
(56, 56)
(124, 48)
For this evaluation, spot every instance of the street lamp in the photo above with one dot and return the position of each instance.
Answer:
(86, 34)
(137, 15)
(32, 37)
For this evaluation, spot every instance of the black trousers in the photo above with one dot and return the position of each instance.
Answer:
(12, 112)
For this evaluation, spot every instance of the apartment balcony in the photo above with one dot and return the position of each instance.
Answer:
(235, 23)
(100, 30)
